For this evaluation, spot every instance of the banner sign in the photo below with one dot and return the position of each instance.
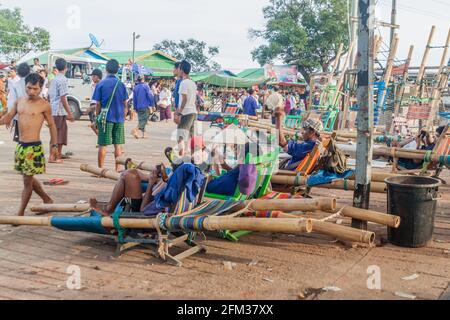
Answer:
(284, 73)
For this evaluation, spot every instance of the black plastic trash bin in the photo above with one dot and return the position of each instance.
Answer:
(414, 199)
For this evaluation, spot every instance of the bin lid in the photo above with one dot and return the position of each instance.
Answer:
(413, 182)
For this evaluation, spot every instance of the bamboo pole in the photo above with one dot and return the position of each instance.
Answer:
(442, 83)
(295, 181)
(25, 221)
(343, 233)
(444, 59)
(211, 223)
(141, 166)
(377, 46)
(405, 154)
(46, 208)
(344, 70)
(349, 185)
(375, 43)
(285, 205)
(376, 176)
(259, 224)
(436, 98)
(399, 97)
(311, 92)
(390, 66)
(104, 173)
(286, 173)
(351, 135)
(423, 64)
(293, 205)
(336, 63)
(372, 216)
(399, 153)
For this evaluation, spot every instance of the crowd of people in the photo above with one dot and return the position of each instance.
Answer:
(30, 98)
(33, 96)
(263, 100)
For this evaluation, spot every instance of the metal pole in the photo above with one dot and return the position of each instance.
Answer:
(134, 45)
(393, 20)
(134, 53)
(364, 151)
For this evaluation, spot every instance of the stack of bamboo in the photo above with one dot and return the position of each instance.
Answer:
(285, 223)
(291, 179)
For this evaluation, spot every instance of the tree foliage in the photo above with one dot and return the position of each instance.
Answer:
(302, 32)
(198, 53)
(17, 38)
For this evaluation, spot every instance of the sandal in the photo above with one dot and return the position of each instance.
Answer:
(129, 164)
(56, 182)
(169, 154)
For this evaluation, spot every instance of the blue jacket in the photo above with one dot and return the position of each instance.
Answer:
(142, 97)
(187, 177)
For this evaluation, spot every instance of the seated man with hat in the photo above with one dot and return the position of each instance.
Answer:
(298, 150)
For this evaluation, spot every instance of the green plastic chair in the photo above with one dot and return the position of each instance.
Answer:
(330, 120)
(329, 92)
(265, 167)
(293, 122)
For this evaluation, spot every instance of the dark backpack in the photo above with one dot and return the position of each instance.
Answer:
(333, 159)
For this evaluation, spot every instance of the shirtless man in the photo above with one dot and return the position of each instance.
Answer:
(29, 156)
(129, 187)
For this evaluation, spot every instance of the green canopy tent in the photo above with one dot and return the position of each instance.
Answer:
(252, 73)
(219, 79)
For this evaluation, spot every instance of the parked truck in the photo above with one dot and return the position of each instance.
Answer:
(79, 70)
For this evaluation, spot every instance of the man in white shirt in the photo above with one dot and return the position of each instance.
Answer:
(164, 103)
(12, 78)
(37, 66)
(17, 90)
(187, 113)
(275, 100)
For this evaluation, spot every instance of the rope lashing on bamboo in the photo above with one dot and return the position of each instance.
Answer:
(345, 184)
(103, 172)
(161, 219)
(427, 157)
(194, 220)
(393, 153)
(334, 216)
(366, 215)
(394, 158)
(161, 238)
(116, 221)
(298, 178)
(427, 161)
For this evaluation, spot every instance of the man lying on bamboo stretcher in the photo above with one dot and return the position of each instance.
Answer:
(129, 189)
(132, 183)
(244, 175)
(424, 141)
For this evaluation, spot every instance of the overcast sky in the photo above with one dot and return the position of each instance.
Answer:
(223, 23)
